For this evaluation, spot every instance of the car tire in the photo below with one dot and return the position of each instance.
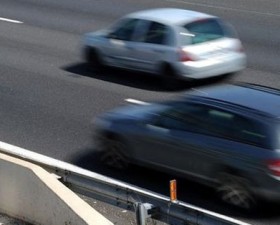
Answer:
(114, 153)
(170, 80)
(93, 58)
(233, 191)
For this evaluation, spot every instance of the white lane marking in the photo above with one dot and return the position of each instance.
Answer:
(134, 101)
(9, 20)
(223, 7)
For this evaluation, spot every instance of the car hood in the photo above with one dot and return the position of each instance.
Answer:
(137, 112)
(97, 33)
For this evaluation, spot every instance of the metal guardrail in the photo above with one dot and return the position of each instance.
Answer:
(145, 203)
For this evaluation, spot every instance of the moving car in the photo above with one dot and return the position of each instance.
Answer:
(169, 42)
(226, 136)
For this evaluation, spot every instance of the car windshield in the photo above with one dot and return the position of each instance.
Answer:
(206, 30)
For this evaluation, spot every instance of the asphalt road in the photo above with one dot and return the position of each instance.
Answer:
(48, 96)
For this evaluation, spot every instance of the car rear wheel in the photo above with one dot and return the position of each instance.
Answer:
(114, 154)
(233, 190)
(170, 80)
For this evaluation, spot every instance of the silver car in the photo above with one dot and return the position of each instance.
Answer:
(170, 42)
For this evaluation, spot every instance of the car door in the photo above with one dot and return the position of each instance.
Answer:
(187, 153)
(152, 44)
(117, 49)
(168, 141)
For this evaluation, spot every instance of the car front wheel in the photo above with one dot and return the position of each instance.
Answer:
(93, 58)
(114, 153)
(170, 80)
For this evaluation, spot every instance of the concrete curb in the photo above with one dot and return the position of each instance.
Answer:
(30, 193)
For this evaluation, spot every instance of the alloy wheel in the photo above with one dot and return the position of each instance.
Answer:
(114, 154)
(233, 191)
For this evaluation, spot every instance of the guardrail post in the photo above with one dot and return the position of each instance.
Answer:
(143, 212)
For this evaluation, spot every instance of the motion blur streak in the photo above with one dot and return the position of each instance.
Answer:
(9, 20)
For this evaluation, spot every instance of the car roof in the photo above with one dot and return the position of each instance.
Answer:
(249, 97)
(170, 15)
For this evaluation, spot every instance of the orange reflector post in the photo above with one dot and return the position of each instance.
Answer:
(173, 190)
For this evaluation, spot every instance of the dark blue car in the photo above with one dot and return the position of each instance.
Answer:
(226, 136)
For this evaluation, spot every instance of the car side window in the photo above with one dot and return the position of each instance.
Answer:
(249, 131)
(157, 33)
(219, 122)
(141, 31)
(235, 127)
(171, 119)
(212, 121)
(125, 30)
(182, 117)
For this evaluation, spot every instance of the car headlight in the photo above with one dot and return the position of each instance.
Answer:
(101, 123)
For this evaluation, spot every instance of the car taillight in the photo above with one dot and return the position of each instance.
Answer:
(274, 166)
(184, 56)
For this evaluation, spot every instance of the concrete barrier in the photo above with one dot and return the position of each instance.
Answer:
(30, 193)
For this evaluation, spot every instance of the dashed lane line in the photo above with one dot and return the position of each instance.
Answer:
(137, 102)
(9, 20)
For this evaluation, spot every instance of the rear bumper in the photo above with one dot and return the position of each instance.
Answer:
(211, 67)
(269, 190)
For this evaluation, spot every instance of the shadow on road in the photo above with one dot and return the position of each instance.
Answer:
(188, 191)
(132, 79)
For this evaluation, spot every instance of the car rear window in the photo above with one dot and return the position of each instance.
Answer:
(207, 29)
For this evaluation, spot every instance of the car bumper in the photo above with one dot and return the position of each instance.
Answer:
(269, 189)
(211, 67)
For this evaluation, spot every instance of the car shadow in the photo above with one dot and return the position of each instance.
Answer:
(133, 79)
(188, 191)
